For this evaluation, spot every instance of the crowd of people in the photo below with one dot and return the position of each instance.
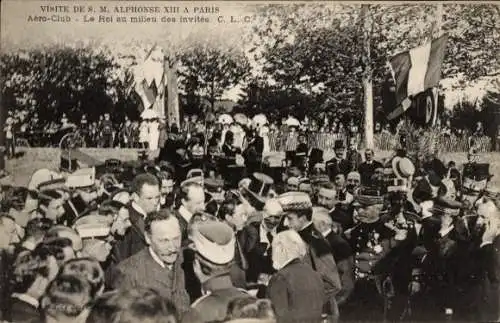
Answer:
(152, 132)
(211, 232)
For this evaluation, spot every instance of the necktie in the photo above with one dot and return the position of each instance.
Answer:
(269, 238)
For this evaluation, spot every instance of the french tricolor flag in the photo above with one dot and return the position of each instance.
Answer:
(415, 71)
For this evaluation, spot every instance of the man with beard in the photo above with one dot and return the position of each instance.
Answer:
(338, 165)
(368, 167)
(353, 182)
(256, 239)
(84, 194)
(342, 252)
(157, 266)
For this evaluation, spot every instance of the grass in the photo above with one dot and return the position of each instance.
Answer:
(36, 158)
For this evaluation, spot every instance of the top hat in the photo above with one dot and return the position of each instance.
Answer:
(258, 189)
(316, 156)
(403, 167)
(339, 144)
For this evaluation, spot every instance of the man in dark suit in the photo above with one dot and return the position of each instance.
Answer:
(368, 167)
(253, 152)
(338, 165)
(145, 199)
(32, 273)
(256, 239)
(488, 298)
(342, 251)
(159, 265)
(191, 200)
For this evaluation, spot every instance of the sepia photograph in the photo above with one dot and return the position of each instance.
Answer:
(249, 161)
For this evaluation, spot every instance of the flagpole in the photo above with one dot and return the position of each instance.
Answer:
(436, 32)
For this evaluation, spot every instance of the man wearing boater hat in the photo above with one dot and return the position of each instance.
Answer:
(214, 245)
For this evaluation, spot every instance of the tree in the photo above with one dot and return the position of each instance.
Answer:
(296, 50)
(208, 72)
(62, 80)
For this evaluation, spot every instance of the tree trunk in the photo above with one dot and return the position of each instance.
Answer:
(367, 77)
(3, 117)
(173, 113)
(212, 97)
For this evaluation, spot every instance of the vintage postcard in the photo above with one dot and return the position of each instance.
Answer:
(283, 161)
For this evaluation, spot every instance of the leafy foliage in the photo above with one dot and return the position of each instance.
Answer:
(207, 72)
(324, 56)
(53, 81)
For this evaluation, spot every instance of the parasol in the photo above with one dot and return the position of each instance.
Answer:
(225, 119)
(292, 122)
(149, 114)
(241, 118)
(259, 120)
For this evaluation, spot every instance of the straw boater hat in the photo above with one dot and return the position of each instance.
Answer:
(319, 179)
(403, 167)
(295, 201)
(214, 242)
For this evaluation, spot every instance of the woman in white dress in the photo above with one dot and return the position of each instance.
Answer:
(154, 134)
(264, 133)
(143, 133)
